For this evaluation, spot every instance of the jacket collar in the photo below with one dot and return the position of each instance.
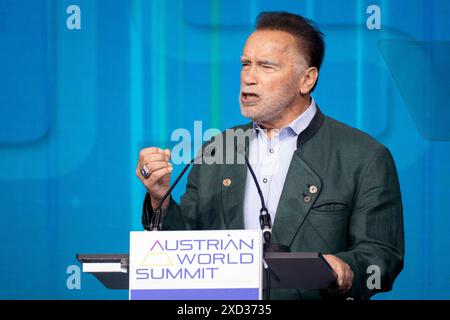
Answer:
(294, 204)
(312, 128)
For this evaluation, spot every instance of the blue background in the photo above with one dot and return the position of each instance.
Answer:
(76, 106)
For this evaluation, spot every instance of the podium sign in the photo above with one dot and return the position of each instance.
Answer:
(196, 265)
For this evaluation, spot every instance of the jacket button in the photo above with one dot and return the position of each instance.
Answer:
(307, 199)
(313, 189)
(226, 182)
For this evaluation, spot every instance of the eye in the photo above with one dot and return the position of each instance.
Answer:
(245, 64)
(268, 67)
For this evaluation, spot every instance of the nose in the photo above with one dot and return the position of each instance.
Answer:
(249, 76)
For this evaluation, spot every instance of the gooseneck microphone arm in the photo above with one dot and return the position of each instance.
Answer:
(157, 213)
(265, 222)
(155, 224)
(264, 217)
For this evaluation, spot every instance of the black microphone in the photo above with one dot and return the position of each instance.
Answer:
(155, 224)
(265, 221)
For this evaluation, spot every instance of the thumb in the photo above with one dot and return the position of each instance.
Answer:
(167, 154)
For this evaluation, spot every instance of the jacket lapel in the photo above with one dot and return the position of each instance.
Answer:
(301, 189)
(233, 189)
(297, 196)
(234, 179)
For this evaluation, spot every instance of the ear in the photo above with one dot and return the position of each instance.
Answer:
(308, 80)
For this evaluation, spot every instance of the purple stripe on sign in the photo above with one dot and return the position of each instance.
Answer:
(196, 294)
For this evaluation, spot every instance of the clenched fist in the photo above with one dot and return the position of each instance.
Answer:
(157, 181)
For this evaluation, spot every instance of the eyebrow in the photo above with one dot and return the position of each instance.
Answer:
(268, 62)
(243, 59)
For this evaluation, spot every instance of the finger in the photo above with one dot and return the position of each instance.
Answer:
(151, 157)
(330, 261)
(159, 174)
(350, 276)
(152, 167)
(156, 165)
(347, 280)
(340, 275)
(150, 150)
(138, 172)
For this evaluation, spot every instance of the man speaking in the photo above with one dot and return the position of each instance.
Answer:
(328, 187)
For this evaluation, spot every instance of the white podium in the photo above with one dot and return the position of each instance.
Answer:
(205, 265)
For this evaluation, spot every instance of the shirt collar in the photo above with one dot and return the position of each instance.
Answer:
(299, 124)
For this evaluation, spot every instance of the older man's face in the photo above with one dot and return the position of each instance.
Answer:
(271, 68)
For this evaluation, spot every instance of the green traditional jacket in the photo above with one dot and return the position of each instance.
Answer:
(354, 212)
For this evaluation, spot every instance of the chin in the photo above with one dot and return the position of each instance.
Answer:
(254, 118)
(253, 113)
(247, 114)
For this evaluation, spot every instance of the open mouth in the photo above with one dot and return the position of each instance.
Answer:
(249, 98)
